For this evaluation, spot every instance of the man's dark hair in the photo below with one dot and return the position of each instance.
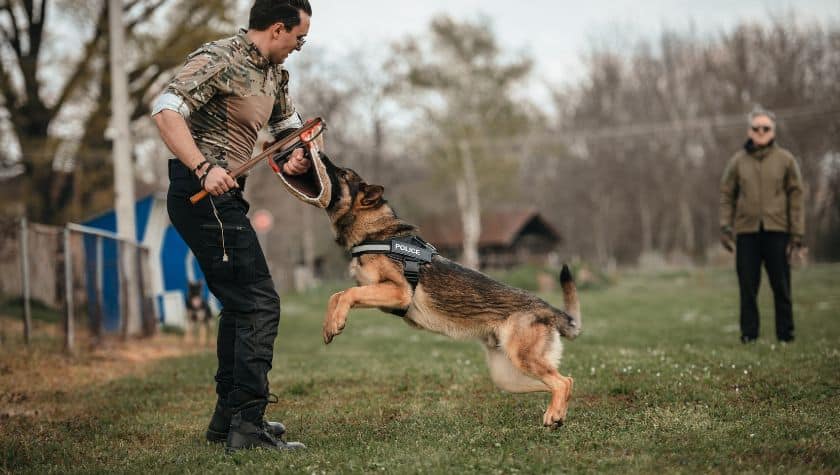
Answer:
(265, 13)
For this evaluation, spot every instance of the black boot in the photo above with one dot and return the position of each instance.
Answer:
(248, 430)
(217, 431)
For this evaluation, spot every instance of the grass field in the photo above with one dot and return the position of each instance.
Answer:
(661, 385)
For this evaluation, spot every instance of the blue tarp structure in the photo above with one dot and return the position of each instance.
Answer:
(171, 264)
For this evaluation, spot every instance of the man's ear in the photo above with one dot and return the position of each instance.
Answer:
(373, 195)
(277, 29)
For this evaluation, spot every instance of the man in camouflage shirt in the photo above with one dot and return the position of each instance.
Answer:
(209, 116)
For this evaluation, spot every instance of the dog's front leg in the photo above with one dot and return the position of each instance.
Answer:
(386, 294)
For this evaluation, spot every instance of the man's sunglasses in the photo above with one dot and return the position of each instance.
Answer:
(301, 40)
(763, 128)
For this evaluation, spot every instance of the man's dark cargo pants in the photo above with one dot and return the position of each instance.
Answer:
(753, 249)
(236, 272)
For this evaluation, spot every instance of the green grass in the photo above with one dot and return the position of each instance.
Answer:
(661, 385)
(40, 312)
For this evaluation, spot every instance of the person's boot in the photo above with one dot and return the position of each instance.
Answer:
(248, 430)
(217, 430)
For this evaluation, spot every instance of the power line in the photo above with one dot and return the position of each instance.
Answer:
(572, 135)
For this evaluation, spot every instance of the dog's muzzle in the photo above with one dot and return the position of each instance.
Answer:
(312, 187)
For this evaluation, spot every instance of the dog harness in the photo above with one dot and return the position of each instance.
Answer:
(412, 251)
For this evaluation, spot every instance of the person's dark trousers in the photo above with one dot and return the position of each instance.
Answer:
(770, 248)
(236, 272)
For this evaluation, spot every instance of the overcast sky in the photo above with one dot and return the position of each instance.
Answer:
(554, 32)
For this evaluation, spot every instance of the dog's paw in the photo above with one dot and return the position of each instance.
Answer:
(331, 330)
(328, 336)
(553, 419)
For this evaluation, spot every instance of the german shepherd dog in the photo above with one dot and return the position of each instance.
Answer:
(520, 332)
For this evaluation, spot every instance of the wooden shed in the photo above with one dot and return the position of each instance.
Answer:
(508, 237)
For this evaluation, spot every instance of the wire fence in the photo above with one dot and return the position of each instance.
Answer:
(78, 272)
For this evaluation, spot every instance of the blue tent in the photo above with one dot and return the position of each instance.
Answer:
(171, 264)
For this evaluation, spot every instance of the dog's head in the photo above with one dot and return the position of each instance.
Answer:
(194, 288)
(352, 201)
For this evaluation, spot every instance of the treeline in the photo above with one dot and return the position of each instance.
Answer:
(649, 131)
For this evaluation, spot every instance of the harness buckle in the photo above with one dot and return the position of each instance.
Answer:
(412, 272)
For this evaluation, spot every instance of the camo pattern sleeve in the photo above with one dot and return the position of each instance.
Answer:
(283, 113)
(201, 78)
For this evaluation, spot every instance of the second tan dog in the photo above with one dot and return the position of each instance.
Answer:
(519, 331)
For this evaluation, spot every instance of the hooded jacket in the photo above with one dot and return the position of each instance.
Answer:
(762, 185)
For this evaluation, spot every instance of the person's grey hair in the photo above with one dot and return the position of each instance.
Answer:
(760, 111)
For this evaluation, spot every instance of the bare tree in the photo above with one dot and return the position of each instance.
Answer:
(35, 102)
(455, 75)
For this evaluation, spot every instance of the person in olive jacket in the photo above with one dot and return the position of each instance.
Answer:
(761, 212)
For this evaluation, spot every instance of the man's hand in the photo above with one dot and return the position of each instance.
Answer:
(296, 164)
(793, 247)
(726, 239)
(218, 181)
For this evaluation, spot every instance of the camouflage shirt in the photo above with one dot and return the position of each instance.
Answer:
(232, 91)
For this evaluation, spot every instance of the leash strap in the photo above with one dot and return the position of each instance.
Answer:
(371, 247)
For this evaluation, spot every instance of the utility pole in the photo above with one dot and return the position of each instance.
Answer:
(123, 171)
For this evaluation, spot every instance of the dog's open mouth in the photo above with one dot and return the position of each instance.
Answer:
(313, 186)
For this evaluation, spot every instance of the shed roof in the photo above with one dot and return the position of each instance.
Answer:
(498, 227)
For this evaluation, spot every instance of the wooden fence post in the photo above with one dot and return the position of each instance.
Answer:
(24, 269)
(69, 327)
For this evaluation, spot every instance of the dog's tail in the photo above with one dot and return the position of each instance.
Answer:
(570, 326)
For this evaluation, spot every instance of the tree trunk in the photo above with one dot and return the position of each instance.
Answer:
(646, 224)
(468, 203)
(687, 227)
(378, 148)
(38, 178)
(599, 229)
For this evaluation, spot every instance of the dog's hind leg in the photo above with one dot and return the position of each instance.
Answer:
(508, 377)
(534, 349)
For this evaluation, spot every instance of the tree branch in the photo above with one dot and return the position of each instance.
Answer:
(6, 90)
(15, 37)
(141, 108)
(36, 29)
(144, 15)
(29, 7)
(82, 67)
(163, 56)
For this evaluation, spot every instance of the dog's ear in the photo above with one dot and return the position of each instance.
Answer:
(373, 195)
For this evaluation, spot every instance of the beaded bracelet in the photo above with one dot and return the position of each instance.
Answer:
(205, 162)
(203, 178)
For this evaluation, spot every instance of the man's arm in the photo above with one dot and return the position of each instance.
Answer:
(728, 197)
(793, 188)
(191, 88)
(176, 135)
(284, 118)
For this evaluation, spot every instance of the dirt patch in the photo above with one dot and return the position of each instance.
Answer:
(36, 378)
